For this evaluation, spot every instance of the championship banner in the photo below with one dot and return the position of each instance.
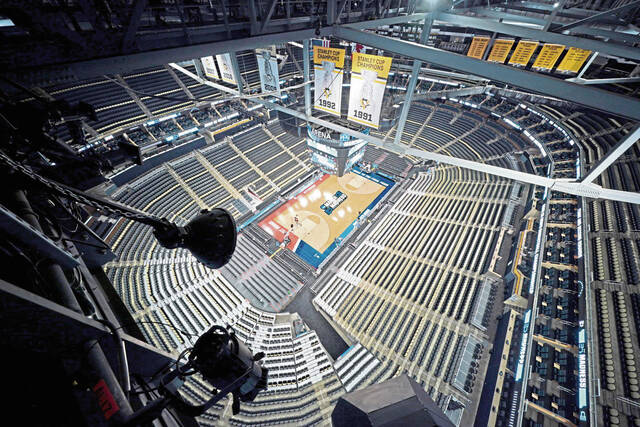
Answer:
(523, 53)
(478, 46)
(328, 64)
(548, 56)
(573, 60)
(226, 68)
(209, 66)
(500, 50)
(319, 43)
(368, 80)
(268, 69)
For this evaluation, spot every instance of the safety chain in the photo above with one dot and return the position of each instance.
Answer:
(79, 196)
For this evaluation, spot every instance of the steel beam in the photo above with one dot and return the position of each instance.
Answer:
(225, 17)
(400, 149)
(527, 96)
(122, 64)
(134, 23)
(307, 72)
(272, 6)
(602, 33)
(253, 16)
(293, 59)
(197, 62)
(623, 145)
(598, 17)
(339, 10)
(544, 7)
(453, 93)
(548, 6)
(125, 63)
(387, 21)
(618, 80)
(586, 66)
(331, 11)
(236, 71)
(204, 81)
(28, 317)
(27, 234)
(445, 74)
(180, 83)
(556, 8)
(134, 96)
(576, 188)
(545, 36)
(504, 92)
(569, 13)
(523, 20)
(415, 72)
(620, 196)
(536, 82)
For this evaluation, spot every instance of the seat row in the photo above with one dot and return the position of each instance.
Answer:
(409, 289)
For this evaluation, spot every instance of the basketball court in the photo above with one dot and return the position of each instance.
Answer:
(314, 222)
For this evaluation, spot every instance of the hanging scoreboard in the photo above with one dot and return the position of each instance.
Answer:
(328, 64)
(548, 56)
(573, 60)
(368, 80)
(333, 152)
(523, 53)
(500, 50)
(226, 68)
(478, 46)
(209, 66)
(268, 69)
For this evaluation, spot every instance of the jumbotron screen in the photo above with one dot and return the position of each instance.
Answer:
(334, 152)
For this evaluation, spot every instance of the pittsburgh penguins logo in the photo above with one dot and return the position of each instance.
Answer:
(366, 93)
(327, 78)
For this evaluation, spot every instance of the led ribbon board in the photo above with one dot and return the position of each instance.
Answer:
(328, 64)
(522, 354)
(226, 68)
(209, 66)
(582, 372)
(268, 69)
(368, 80)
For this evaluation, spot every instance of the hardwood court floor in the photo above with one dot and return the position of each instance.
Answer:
(314, 226)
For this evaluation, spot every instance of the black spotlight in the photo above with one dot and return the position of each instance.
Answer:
(226, 362)
(210, 236)
(222, 360)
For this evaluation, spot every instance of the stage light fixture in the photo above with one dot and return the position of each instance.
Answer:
(210, 236)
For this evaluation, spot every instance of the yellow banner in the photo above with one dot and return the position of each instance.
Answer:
(548, 56)
(362, 61)
(500, 50)
(328, 54)
(573, 60)
(523, 52)
(478, 46)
